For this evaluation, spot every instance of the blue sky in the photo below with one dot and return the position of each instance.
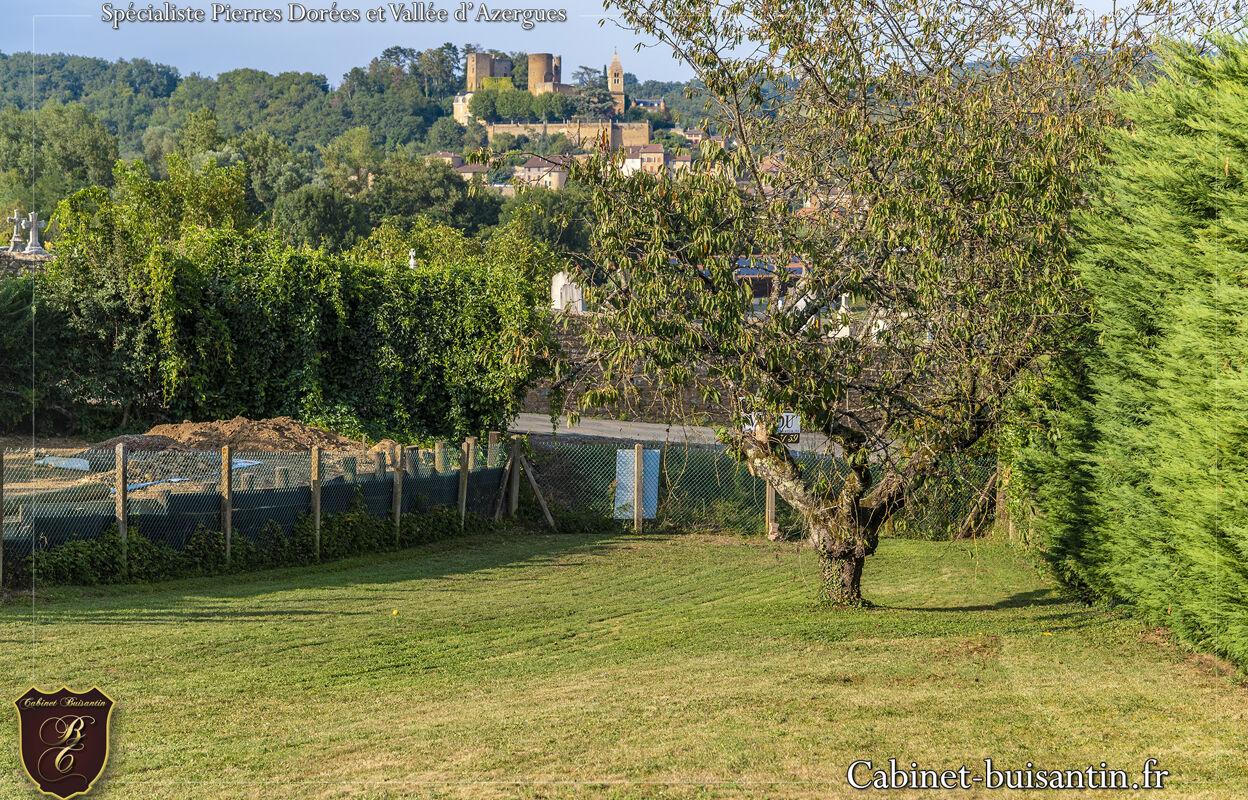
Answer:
(75, 26)
(327, 48)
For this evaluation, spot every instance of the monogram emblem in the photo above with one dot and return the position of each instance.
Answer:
(64, 739)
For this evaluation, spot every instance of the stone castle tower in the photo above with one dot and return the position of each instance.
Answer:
(615, 82)
(481, 66)
(545, 73)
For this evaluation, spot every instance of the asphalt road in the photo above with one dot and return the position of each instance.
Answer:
(637, 431)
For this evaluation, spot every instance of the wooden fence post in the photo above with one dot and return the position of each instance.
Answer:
(439, 457)
(493, 451)
(121, 509)
(1, 517)
(464, 468)
(513, 488)
(397, 495)
(227, 497)
(316, 500)
(638, 510)
(773, 528)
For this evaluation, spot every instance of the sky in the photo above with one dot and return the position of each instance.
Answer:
(327, 48)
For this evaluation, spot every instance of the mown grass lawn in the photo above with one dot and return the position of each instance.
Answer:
(542, 666)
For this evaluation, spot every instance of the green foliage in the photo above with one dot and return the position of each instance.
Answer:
(16, 305)
(176, 307)
(1143, 481)
(405, 188)
(92, 562)
(319, 216)
(484, 105)
(514, 104)
(558, 218)
(49, 153)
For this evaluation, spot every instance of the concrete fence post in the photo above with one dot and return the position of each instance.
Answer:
(773, 529)
(227, 498)
(121, 507)
(439, 457)
(638, 509)
(493, 451)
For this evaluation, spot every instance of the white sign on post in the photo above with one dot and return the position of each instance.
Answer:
(790, 428)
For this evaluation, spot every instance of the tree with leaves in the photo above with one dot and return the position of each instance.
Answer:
(1137, 463)
(937, 151)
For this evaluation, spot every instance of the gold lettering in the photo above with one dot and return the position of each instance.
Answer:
(66, 738)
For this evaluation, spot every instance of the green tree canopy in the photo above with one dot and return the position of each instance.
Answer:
(1140, 470)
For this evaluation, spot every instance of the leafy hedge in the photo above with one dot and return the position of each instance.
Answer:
(90, 562)
(1142, 483)
(163, 303)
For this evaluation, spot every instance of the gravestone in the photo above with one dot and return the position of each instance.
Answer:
(15, 242)
(33, 224)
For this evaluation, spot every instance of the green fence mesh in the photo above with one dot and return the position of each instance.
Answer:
(56, 496)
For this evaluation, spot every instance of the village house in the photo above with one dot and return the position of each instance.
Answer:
(453, 160)
(550, 172)
(472, 173)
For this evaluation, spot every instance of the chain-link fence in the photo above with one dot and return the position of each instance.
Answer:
(704, 488)
(52, 497)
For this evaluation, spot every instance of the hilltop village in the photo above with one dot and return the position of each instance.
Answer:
(570, 116)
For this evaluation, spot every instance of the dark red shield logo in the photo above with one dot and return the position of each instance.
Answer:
(64, 738)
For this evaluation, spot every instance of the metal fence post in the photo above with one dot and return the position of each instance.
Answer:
(316, 500)
(227, 498)
(121, 509)
(397, 494)
(638, 511)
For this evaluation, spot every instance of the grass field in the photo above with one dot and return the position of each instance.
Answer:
(541, 666)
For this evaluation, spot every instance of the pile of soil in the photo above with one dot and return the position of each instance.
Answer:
(136, 443)
(280, 435)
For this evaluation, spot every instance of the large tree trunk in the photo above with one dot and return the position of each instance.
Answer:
(843, 532)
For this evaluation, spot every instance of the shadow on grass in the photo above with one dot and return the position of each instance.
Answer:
(337, 583)
(1031, 599)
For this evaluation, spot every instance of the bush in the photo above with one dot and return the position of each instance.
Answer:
(90, 562)
(1143, 479)
(174, 308)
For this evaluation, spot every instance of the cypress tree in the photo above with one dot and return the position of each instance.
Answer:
(1145, 493)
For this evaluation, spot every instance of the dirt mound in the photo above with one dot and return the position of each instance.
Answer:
(142, 444)
(280, 435)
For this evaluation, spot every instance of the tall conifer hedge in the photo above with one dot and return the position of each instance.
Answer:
(1144, 489)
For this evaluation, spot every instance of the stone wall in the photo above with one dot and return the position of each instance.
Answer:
(13, 264)
(622, 134)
